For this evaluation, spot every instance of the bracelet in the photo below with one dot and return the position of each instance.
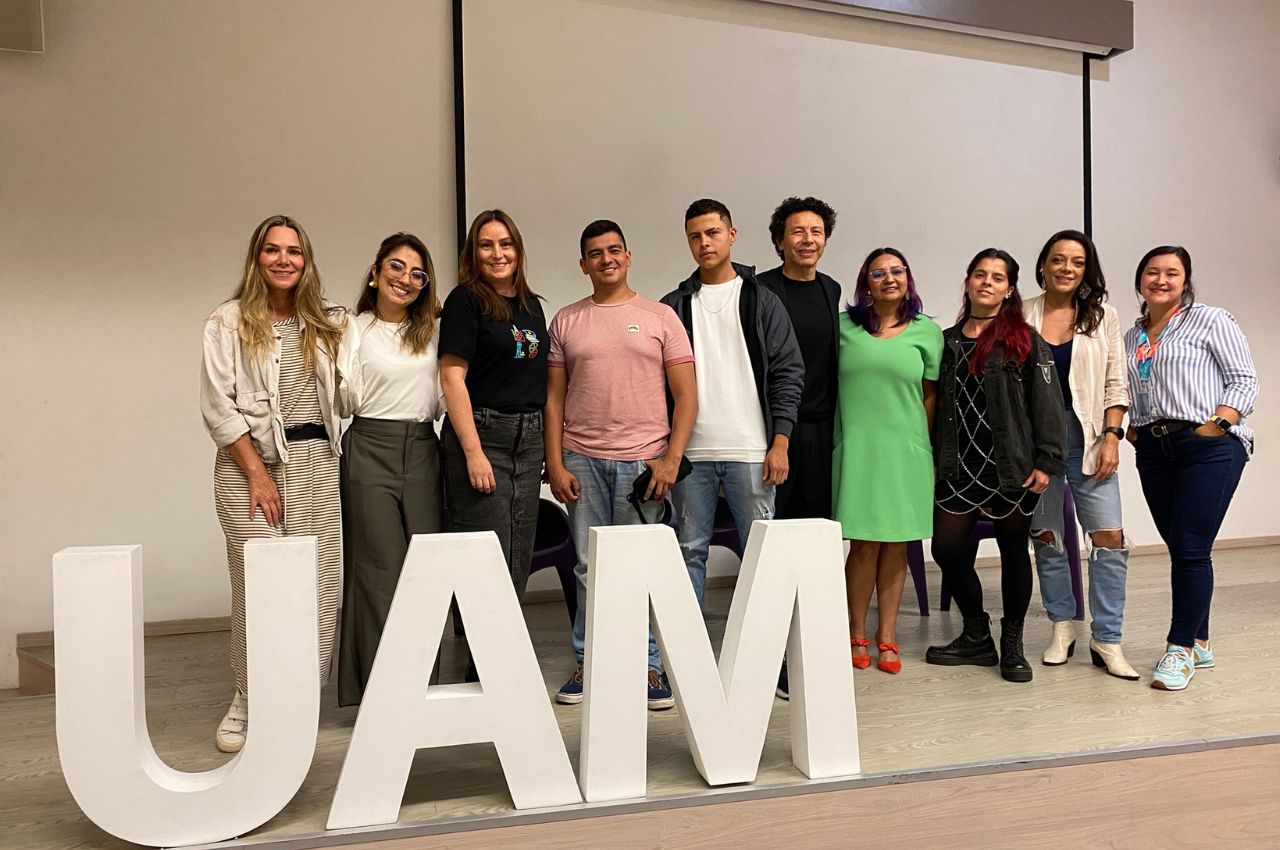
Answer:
(1114, 429)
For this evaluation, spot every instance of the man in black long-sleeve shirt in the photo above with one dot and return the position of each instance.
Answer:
(799, 229)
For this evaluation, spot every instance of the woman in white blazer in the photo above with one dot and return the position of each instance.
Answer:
(1088, 351)
(268, 395)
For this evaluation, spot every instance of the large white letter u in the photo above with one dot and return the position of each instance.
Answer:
(107, 757)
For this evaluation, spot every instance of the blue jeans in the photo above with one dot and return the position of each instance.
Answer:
(1188, 481)
(602, 500)
(695, 500)
(1097, 509)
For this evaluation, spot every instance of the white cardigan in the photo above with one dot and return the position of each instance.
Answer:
(1098, 377)
(239, 393)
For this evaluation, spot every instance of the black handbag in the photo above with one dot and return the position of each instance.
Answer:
(641, 486)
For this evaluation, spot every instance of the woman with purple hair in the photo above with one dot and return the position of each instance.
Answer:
(883, 461)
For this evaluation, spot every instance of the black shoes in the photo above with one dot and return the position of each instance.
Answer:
(973, 646)
(1013, 664)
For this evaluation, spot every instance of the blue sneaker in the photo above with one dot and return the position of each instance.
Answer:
(1203, 656)
(660, 698)
(570, 692)
(1174, 671)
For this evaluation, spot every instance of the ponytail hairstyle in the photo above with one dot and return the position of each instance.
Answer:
(1008, 329)
(420, 320)
(861, 311)
(318, 326)
(1092, 291)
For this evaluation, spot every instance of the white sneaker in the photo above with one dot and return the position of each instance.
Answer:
(234, 725)
(1061, 646)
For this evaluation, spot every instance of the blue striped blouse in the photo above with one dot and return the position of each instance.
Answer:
(1202, 361)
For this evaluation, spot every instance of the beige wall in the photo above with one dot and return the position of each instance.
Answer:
(136, 156)
(138, 152)
(1187, 151)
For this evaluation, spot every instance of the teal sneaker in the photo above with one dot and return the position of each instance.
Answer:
(1174, 671)
(1203, 656)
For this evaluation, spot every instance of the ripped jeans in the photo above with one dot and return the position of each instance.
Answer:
(695, 501)
(1097, 509)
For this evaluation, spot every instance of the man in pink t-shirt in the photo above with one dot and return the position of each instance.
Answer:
(613, 358)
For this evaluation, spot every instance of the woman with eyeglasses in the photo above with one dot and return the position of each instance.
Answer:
(1193, 383)
(1083, 334)
(493, 367)
(999, 436)
(268, 395)
(391, 485)
(883, 464)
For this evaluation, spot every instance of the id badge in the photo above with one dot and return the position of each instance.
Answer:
(1144, 399)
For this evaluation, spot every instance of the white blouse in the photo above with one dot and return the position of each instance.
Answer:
(381, 379)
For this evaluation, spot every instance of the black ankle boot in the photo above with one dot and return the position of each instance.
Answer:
(1013, 664)
(973, 646)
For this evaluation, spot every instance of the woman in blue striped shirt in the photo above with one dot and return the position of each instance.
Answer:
(1193, 383)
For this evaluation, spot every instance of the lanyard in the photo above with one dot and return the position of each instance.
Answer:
(1146, 352)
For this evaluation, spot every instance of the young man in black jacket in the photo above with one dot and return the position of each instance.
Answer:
(799, 229)
(750, 378)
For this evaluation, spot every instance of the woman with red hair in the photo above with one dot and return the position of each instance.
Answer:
(999, 434)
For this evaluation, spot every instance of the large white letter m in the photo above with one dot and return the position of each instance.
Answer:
(790, 595)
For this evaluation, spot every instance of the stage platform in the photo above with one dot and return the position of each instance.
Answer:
(925, 725)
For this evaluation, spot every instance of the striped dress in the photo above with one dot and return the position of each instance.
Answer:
(308, 484)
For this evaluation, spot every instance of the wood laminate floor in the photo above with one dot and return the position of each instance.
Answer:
(925, 717)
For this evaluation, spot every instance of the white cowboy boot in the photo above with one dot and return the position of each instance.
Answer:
(1062, 645)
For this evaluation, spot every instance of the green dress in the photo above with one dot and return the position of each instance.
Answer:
(883, 462)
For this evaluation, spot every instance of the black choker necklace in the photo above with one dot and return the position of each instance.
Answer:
(982, 318)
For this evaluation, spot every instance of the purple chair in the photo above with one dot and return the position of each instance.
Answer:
(553, 547)
(985, 529)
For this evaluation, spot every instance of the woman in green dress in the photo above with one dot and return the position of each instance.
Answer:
(883, 461)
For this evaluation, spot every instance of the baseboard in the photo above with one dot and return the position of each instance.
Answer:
(157, 628)
(35, 676)
(197, 625)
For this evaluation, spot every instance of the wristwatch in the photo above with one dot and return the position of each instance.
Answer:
(1114, 429)
(1221, 423)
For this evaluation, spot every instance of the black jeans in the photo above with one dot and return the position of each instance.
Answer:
(513, 444)
(807, 491)
(1188, 481)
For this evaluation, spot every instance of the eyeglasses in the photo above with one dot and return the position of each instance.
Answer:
(895, 271)
(397, 268)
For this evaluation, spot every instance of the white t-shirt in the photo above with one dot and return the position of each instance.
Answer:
(389, 381)
(730, 425)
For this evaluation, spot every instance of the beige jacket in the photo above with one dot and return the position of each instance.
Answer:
(1098, 378)
(240, 394)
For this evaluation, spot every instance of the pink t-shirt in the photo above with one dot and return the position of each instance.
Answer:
(616, 356)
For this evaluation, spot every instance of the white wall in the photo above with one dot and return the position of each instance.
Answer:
(138, 152)
(136, 156)
(1187, 151)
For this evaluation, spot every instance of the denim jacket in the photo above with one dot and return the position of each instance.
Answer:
(240, 394)
(1024, 409)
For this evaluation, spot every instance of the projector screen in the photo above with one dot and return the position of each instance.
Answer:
(937, 143)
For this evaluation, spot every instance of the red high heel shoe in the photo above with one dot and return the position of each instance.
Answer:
(862, 662)
(894, 666)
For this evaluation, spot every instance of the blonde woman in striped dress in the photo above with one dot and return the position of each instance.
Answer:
(268, 398)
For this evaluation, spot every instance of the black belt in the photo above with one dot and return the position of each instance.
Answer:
(1165, 427)
(310, 431)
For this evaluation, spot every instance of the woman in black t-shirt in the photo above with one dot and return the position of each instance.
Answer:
(493, 368)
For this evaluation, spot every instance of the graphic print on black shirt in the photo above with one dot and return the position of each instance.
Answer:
(506, 360)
